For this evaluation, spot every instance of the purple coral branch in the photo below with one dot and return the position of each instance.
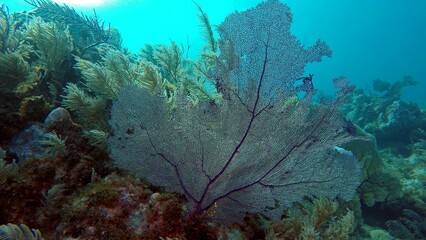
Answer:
(280, 161)
(175, 167)
(257, 181)
(199, 209)
(202, 157)
(182, 184)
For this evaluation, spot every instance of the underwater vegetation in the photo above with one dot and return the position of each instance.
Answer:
(37, 52)
(394, 181)
(394, 175)
(87, 31)
(12, 231)
(97, 142)
(410, 226)
(317, 218)
(250, 153)
(394, 122)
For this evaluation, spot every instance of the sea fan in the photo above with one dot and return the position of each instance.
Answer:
(253, 152)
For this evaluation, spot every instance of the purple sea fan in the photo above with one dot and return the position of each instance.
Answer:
(254, 152)
(267, 50)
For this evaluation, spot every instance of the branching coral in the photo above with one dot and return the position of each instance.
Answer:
(54, 145)
(13, 71)
(192, 79)
(318, 218)
(207, 30)
(153, 78)
(88, 31)
(97, 138)
(203, 70)
(34, 56)
(170, 61)
(164, 74)
(6, 170)
(410, 226)
(102, 83)
(89, 109)
(197, 90)
(105, 79)
(52, 42)
(12, 32)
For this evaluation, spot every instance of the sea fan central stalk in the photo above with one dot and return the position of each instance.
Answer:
(253, 152)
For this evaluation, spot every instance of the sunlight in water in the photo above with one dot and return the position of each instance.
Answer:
(85, 3)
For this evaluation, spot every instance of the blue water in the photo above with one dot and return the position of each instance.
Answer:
(370, 39)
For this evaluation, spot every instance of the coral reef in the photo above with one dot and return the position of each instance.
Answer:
(411, 174)
(377, 184)
(394, 171)
(394, 122)
(410, 226)
(36, 61)
(52, 166)
(104, 80)
(87, 31)
(69, 190)
(36, 174)
(161, 69)
(52, 44)
(111, 208)
(191, 78)
(317, 218)
(252, 152)
(57, 178)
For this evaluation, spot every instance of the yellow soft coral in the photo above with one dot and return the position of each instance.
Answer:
(318, 218)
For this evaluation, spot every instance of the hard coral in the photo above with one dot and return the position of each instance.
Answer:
(394, 122)
(32, 182)
(164, 217)
(121, 207)
(107, 208)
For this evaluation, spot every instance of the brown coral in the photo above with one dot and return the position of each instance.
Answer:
(317, 218)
